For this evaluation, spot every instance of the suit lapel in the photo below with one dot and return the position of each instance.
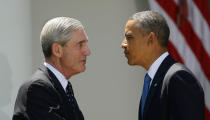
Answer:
(57, 85)
(157, 82)
(53, 79)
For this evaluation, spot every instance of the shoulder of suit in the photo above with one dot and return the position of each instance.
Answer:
(183, 76)
(39, 78)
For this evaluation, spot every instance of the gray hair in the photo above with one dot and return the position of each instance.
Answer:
(58, 30)
(150, 21)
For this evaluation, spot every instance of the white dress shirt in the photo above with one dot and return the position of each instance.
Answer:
(154, 67)
(58, 75)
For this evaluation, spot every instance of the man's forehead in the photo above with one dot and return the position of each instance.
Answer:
(80, 35)
(132, 26)
(130, 30)
(131, 23)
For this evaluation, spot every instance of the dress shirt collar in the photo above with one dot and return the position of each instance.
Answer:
(154, 67)
(59, 75)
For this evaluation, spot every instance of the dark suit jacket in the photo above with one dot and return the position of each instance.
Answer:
(43, 98)
(182, 98)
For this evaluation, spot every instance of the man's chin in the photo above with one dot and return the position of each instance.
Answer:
(83, 68)
(130, 63)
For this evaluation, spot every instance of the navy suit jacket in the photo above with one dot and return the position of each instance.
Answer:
(43, 98)
(182, 98)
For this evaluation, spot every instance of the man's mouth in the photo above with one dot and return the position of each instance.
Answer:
(83, 61)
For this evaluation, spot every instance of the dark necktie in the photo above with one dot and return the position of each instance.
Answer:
(147, 80)
(70, 94)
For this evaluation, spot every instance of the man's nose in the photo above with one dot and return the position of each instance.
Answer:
(124, 44)
(87, 51)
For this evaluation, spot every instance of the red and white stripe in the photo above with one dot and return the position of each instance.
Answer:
(189, 41)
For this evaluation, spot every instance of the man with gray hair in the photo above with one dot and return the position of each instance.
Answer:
(170, 91)
(48, 95)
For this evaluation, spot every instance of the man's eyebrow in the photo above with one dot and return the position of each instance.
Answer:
(128, 35)
(81, 41)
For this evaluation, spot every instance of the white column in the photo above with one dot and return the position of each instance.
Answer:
(15, 51)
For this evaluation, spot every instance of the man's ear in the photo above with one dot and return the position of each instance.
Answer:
(151, 38)
(57, 50)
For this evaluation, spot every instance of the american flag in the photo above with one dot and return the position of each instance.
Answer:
(189, 41)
